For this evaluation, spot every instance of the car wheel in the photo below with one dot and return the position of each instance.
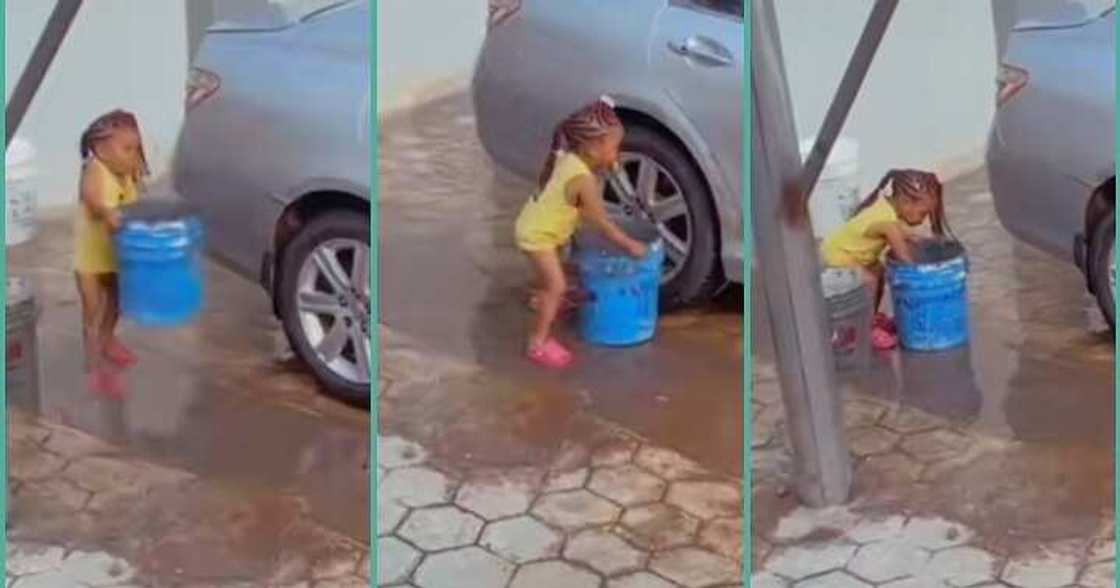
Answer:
(324, 301)
(658, 175)
(1103, 267)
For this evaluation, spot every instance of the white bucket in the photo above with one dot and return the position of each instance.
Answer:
(22, 345)
(837, 193)
(21, 192)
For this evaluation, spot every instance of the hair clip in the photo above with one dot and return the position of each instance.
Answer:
(888, 189)
(607, 100)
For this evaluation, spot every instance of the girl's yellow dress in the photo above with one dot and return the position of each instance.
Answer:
(850, 245)
(93, 240)
(548, 220)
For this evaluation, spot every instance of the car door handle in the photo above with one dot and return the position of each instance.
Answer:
(703, 50)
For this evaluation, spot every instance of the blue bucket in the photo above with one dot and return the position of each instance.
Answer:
(623, 291)
(161, 278)
(931, 296)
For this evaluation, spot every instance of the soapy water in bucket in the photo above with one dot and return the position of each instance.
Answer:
(623, 291)
(159, 248)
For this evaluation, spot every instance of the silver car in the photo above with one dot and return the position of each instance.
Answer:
(675, 70)
(1051, 151)
(275, 151)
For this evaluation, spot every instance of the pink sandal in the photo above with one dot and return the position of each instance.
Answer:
(886, 323)
(105, 383)
(122, 356)
(882, 339)
(550, 354)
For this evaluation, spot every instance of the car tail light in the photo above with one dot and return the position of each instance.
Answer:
(201, 84)
(1010, 81)
(502, 10)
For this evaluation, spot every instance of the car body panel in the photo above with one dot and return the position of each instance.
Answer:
(620, 50)
(288, 121)
(1052, 144)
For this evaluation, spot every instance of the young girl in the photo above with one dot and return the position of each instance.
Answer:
(113, 164)
(903, 199)
(584, 146)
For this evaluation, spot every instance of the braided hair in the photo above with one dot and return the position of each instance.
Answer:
(103, 127)
(911, 184)
(588, 124)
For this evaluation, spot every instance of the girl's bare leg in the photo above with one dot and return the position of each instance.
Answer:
(112, 306)
(91, 291)
(550, 276)
(872, 278)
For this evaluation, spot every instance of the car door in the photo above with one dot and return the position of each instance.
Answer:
(697, 54)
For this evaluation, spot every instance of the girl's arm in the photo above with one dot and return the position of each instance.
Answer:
(897, 239)
(93, 196)
(587, 193)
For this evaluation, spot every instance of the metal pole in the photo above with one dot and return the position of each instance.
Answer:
(787, 257)
(846, 92)
(41, 57)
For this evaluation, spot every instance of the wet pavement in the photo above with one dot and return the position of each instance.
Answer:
(210, 399)
(452, 279)
(1010, 439)
(1040, 364)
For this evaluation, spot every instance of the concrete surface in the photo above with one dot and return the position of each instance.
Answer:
(496, 488)
(452, 279)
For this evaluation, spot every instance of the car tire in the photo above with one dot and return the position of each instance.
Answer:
(301, 277)
(1101, 269)
(701, 276)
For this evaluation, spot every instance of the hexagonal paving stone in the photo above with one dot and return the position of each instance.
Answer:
(888, 560)
(389, 515)
(871, 441)
(962, 566)
(767, 580)
(935, 445)
(605, 552)
(877, 529)
(802, 522)
(396, 560)
(693, 567)
(25, 560)
(837, 579)
(908, 420)
(658, 526)
(1046, 571)
(559, 481)
(448, 569)
(33, 465)
(1102, 550)
(416, 487)
(862, 413)
(706, 500)
(614, 453)
(575, 510)
(627, 485)
(892, 469)
(1099, 575)
(96, 569)
(804, 560)
(522, 539)
(640, 580)
(724, 536)
(553, 574)
(441, 527)
(499, 497)
(395, 452)
(667, 464)
(935, 534)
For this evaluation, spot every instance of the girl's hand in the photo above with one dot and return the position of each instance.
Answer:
(637, 249)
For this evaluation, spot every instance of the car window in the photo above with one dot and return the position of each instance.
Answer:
(1060, 12)
(730, 7)
(273, 13)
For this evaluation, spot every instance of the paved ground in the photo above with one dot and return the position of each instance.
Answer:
(502, 485)
(452, 279)
(85, 513)
(990, 465)
(266, 452)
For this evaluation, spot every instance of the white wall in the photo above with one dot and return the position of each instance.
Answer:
(929, 97)
(425, 48)
(118, 54)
